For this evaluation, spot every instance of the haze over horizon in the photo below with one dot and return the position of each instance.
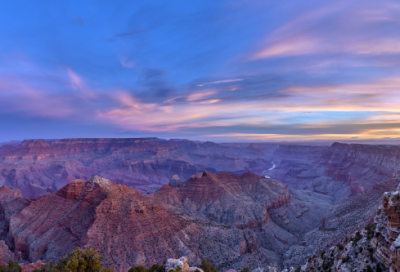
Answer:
(221, 70)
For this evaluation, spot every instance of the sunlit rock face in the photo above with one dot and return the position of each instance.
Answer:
(235, 221)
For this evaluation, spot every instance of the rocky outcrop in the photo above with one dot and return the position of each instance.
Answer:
(5, 254)
(11, 203)
(374, 248)
(123, 225)
(239, 201)
(387, 233)
(234, 221)
(182, 263)
(354, 254)
(273, 216)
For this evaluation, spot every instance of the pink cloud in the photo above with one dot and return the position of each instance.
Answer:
(339, 28)
(78, 84)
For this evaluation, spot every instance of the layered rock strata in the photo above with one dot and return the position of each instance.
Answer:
(234, 221)
(38, 167)
(387, 233)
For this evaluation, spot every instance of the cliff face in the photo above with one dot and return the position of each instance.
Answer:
(240, 201)
(300, 152)
(362, 164)
(375, 248)
(341, 171)
(124, 226)
(235, 221)
(387, 233)
(38, 167)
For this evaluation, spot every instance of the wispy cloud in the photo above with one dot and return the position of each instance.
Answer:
(244, 70)
(355, 27)
(220, 81)
(78, 84)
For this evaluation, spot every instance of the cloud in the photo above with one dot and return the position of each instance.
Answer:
(220, 81)
(126, 63)
(356, 27)
(316, 68)
(78, 84)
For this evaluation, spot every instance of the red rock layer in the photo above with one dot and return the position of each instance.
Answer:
(361, 165)
(126, 227)
(11, 203)
(240, 201)
(387, 233)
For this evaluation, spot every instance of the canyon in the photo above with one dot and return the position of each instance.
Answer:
(140, 201)
(229, 219)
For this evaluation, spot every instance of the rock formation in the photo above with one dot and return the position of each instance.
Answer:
(387, 233)
(182, 263)
(234, 221)
(235, 218)
(341, 171)
(374, 248)
(39, 166)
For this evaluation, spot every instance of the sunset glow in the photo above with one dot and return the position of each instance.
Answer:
(220, 70)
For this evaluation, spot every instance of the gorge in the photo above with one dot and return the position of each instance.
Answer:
(151, 199)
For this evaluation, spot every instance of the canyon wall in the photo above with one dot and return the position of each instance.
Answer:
(341, 171)
(38, 167)
(235, 221)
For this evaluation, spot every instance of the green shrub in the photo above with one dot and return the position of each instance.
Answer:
(208, 266)
(139, 268)
(340, 246)
(77, 261)
(11, 267)
(246, 269)
(81, 261)
(156, 268)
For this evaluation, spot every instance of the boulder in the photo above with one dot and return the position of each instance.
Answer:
(172, 264)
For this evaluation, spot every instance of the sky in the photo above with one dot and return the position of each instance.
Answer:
(204, 70)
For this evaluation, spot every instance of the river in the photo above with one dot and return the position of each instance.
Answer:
(273, 166)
